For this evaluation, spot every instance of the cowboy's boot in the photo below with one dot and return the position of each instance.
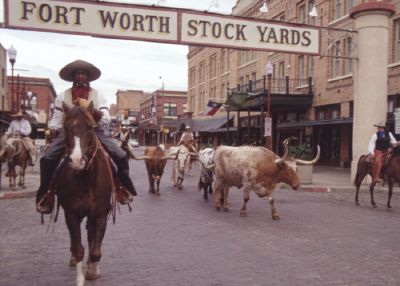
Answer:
(45, 197)
(123, 176)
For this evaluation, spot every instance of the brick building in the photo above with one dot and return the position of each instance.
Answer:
(159, 113)
(127, 108)
(311, 96)
(36, 96)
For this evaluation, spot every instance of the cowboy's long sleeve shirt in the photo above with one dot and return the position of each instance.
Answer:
(19, 127)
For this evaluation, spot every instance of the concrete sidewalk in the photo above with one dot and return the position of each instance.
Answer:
(325, 179)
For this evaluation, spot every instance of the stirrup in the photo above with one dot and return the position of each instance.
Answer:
(46, 203)
(124, 196)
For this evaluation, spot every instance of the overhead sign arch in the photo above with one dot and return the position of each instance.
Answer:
(160, 24)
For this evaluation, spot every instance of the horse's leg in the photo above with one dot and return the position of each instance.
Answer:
(371, 190)
(77, 252)
(98, 226)
(390, 186)
(22, 177)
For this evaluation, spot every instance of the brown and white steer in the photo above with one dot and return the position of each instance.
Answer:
(255, 169)
(155, 160)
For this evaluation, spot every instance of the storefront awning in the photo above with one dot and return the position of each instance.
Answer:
(305, 123)
(209, 124)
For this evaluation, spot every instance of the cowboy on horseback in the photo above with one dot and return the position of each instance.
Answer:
(20, 128)
(379, 147)
(187, 139)
(80, 73)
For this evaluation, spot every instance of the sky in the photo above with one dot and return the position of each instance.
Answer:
(125, 64)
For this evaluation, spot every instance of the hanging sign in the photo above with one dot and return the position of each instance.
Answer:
(268, 126)
(160, 24)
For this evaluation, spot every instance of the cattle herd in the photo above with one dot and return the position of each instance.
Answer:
(250, 168)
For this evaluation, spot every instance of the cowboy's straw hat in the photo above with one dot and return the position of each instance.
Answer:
(380, 124)
(67, 72)
(19, 113)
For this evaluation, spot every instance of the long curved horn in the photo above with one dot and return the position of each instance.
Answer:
(139, 158)
(171, 156)
(313, 161)
(280, 160)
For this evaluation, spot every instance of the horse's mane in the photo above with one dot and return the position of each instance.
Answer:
(84, 114)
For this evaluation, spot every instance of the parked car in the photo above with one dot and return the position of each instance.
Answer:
(133, 142)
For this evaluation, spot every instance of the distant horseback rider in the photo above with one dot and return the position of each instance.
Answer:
(123, 135)
(80, 73)
(21, 128)
(187, 139)
(379, 147)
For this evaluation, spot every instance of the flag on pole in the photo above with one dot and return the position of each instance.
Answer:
(212, 107)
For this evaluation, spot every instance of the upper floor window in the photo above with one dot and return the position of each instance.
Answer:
(202, 72)
(169, 109)
(336, 60)
(193, 76)
(302, 14)
(301, 67)
(213, 66)
(349, 52)
(349, 6)
(337, 6)
(397, 40)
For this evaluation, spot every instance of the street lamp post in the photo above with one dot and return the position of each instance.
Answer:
(12, 56)
(269, 70)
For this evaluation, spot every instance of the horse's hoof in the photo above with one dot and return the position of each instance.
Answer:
(243, 214)
(180, 187)
(226, 209)
(374, 206)
(91, 276)
(218, 208)
(357, 203)
(276, 217)
(389, 207)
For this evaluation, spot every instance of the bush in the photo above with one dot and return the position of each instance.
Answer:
(300, 151)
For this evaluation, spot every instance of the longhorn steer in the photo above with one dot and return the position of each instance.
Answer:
(255, 169)
(206, 159)
(155, 160)
(178, 170)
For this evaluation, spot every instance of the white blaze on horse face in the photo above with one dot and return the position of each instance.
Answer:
(76, 155)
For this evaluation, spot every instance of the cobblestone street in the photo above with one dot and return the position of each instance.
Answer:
(178, 239)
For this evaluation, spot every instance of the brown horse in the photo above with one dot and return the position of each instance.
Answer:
(84, 187)
(391, 169)
(15, 154)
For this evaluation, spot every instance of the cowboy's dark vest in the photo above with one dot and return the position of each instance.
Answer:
(382, 142)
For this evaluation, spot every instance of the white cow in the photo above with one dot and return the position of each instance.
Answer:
(178, 169)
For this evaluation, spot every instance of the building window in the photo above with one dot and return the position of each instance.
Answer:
(310, 66)
(349, 50)
(311, 20)
(3, 80)
(301, 70)
(349, 6)
(397, 41)
(337, 6)
(213, 66)
(336, 59)
(302, 14)
(184, 107)
(193, 77)
(202, 72)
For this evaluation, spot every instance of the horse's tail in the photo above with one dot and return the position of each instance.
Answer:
(361, 170)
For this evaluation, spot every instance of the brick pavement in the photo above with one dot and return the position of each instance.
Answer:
(178, 239)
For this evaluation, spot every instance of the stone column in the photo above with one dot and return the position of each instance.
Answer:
(370, 72)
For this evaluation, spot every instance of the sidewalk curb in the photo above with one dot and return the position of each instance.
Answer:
(16, 194)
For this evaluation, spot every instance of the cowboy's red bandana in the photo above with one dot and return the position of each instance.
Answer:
(79, 92)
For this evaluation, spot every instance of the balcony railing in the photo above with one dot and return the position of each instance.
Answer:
(278, 86)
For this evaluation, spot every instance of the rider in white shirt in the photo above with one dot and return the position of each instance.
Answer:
(20, 127)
